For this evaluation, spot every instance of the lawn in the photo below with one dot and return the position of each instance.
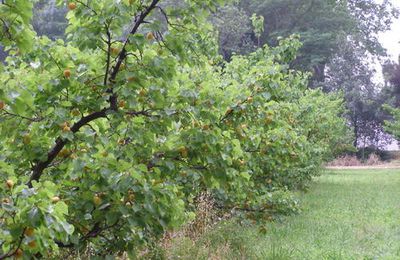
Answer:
(347, 214)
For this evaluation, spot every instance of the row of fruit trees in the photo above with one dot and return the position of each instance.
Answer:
(108, 137)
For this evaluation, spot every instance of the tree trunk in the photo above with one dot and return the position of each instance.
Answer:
(3, 54)
(355, 132)
(319, 72)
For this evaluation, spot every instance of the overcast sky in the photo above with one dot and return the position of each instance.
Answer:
(391, 39)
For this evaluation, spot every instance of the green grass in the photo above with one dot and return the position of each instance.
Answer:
(347, 214)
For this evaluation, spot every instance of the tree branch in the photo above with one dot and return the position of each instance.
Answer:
(108, 42)
(60, 143)
(39, 167)
(13, 252)
(35, 119)
(122, 55)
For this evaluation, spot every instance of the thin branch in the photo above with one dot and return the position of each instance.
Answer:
(37, 119)
(139, 113)
(87, 6)
(108, 42)
(13, 252)
(122, 55)
(94, 232)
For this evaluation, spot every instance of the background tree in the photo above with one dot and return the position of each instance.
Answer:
(391, 71)
(49, 19)
(234, 31)
(392, 97)
(323, 26)
(351, 73)
(336, 32)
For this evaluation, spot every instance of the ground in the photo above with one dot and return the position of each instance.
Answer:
(347, 214)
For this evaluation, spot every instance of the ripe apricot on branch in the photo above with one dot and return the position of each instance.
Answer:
(67, 73)
(114, 51)
(10, 184)
(228, 111)
(96, 200)
(71, 6)
(183, 151)
(65, 127)
(2, 105)
(131, 79)
(131, 196)
(64, 153)
(121, 103)
(75, 112)
(150, 36)
(55, 199)
(29, 232)
(206, 127)
(32, 244)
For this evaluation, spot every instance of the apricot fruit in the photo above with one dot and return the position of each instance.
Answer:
(10, 184)
(150, 36)
(67, 73)
(55, 199)
(71, 6)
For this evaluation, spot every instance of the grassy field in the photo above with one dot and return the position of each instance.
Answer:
(347, 214)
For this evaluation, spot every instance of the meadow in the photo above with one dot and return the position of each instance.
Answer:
(346, 214)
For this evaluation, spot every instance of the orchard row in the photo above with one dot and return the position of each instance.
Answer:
(108, 142)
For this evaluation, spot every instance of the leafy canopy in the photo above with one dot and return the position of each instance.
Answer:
(107, 138)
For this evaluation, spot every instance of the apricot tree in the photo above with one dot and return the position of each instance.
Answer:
(107, 138)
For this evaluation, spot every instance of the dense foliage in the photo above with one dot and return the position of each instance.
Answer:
(393, 126)
(392, 97)
(340, 39)
(107, 138)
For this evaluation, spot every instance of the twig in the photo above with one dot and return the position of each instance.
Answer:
(38, 119)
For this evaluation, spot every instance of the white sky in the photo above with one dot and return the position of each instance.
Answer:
(391, 42)
(391, 39)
